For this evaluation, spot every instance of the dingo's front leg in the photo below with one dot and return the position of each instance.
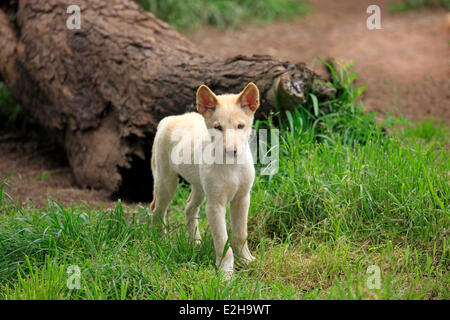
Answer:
(195, 200)
(215, 212)
(239, 214)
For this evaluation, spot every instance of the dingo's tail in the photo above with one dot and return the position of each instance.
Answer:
(153, 165)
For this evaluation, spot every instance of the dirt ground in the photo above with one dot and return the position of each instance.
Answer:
(37, 170)
(405, 64)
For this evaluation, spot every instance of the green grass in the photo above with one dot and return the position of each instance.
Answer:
(429, 130)
(315, 228)
(408, 5)
(350, 193)
(44, 176)
(190, 14)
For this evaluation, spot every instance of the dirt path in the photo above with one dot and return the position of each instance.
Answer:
(37, 170)
(406, 65)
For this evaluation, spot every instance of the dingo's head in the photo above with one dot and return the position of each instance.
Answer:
(231, 115)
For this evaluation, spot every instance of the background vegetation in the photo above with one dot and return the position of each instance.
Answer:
(350, 193)
(190, 14)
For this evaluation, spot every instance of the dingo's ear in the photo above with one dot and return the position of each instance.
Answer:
(206, 100)
(249, 98)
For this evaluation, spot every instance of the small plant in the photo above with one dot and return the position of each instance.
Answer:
(44, 176)
(190, 14)
(340, 119)
(12, 116)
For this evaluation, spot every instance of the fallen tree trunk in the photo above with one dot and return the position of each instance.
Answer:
(101, 90)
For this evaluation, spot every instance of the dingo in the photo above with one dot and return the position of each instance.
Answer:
(226, 121)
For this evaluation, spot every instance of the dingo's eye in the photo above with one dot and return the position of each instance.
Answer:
(218, 127)
(240, 126)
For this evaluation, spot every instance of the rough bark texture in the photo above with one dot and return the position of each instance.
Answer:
(100, 91)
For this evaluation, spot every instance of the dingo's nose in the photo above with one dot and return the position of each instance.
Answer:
(232, 151)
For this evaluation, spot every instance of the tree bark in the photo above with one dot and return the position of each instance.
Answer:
(101, 90)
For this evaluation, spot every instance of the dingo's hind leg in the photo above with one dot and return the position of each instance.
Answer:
(164, 190)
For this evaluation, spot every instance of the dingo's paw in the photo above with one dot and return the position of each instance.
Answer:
(242, 262)
(225, 275)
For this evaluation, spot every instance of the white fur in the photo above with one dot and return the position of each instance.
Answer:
(218, 183)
